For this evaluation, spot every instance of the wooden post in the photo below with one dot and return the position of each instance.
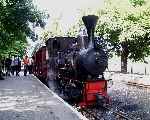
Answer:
(131, 70)
(145, 70)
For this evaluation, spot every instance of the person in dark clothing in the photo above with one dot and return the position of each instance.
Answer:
(3, 65)
(17, 65)
(1, 73)
(12, 66)
(8, 66)
(30, 66)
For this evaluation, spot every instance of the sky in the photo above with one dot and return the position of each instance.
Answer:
(68, 10)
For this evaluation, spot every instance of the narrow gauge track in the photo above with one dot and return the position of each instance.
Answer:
(133, 99)
(128, 93)
(114, 113)
(101, 112)
(98, 114)
(138, 85)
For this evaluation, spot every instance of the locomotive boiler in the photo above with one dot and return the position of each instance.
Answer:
(76, 73)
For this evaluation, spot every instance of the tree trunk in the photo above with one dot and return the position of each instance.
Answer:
(124, 63)
(124, 57)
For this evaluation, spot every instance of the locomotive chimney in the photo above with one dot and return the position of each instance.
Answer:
(90, 23)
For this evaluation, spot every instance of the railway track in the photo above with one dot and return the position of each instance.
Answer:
(102, 112)
(114, 112)
(138, 85)
(120, 114)
(129, 102)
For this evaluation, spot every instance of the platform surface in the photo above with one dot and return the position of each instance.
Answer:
(26, 98)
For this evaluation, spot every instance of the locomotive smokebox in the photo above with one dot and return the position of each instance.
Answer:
(92, 61)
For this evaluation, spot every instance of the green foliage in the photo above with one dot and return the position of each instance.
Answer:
(74, 30)
(54, 31)
(126, 24)
(137, 2)
(15, 17)
(16, 48)
(123, 21)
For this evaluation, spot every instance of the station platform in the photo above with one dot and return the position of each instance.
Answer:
(26, 98)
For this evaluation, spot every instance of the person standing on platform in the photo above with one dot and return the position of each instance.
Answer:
(16, 64)
(8, 66)
(30, 67)
(1, 73)
(26, 64)
(19, 65)
(3, 67)
(12, 66)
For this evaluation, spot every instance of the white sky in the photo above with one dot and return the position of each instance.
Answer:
(67, 9)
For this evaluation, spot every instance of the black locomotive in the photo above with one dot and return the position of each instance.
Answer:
(74, 72)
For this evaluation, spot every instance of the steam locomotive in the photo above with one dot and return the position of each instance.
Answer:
(73, 70)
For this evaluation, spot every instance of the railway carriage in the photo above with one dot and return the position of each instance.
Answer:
(40, 66)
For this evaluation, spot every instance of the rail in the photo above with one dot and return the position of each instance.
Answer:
(95, 114)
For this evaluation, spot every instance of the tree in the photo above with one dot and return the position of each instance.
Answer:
(75, 28)
(15, 17)
(55, 30)
(126, 26)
